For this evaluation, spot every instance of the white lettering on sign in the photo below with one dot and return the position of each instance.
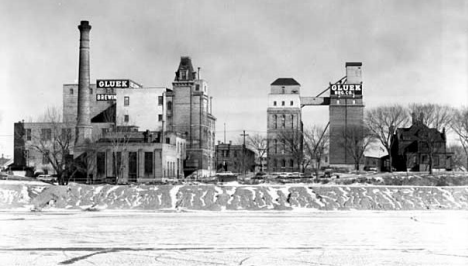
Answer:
(106, 97)
(112, 83)
(346, 89)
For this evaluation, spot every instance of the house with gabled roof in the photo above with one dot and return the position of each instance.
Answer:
(420, 148)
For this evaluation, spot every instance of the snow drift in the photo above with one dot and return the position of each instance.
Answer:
(217, 198)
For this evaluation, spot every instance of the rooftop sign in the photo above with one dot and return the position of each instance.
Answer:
(346, 89)
(113, 83)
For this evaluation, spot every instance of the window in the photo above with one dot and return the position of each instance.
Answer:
(291, 163)
(26, 154)
(148, 163)
(275, 145)
(337, 101)
(275, 121)
(168, 140)
(274, 103)
(283, 121)
(126, 101)
(283, 163)
(28, 134)
(101, 163)
(71, 91)
(46, 134)
(291, 103)
(292, 121)
(66, 134)
(90, 91)
(160, 118)
(126, 118)
(160, 100)
(282, 103)
(45, 157)
(354, 101)
(169, 106)
(197, 87)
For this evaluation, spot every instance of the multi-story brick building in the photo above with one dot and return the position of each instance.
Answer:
(284, 126)
(190, 113)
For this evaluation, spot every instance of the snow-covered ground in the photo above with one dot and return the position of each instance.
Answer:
(234, 238)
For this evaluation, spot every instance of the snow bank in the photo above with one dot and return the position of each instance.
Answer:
(218, 198)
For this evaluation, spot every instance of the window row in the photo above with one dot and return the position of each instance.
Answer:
(46, 134)
(280, 121)
(283, 103)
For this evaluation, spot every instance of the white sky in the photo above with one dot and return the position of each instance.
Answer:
(412, 51)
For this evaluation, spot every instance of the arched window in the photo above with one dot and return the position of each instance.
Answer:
(275, 120)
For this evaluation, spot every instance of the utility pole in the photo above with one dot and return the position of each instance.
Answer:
(243, 151)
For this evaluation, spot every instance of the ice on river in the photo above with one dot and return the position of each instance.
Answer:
(234, 238)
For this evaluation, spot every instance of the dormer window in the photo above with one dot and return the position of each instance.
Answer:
(183, 74)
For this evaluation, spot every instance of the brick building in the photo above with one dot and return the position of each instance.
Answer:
(190, 113)
(234, 158)
(284, 124)
(413, 147)
(346, 114)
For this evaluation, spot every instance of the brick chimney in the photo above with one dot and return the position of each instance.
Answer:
(83, 126)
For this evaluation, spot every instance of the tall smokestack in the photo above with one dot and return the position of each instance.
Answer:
(83, 126)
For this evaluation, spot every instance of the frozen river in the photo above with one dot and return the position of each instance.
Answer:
(234, 238)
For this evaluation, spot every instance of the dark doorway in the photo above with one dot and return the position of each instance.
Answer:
(132, 166)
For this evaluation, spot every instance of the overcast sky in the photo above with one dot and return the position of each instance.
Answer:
(412, 51)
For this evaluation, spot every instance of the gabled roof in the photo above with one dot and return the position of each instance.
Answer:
(285, 82)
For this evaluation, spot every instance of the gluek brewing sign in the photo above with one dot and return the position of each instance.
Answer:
(346, 89)
(113, 83)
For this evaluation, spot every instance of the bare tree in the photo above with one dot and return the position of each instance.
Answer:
(290, 142)
(355, 140)
(316, 145)
(54, 142)
(432, 115)
(459, 157)
(460, 127)
(382, 123)
(258, 143)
